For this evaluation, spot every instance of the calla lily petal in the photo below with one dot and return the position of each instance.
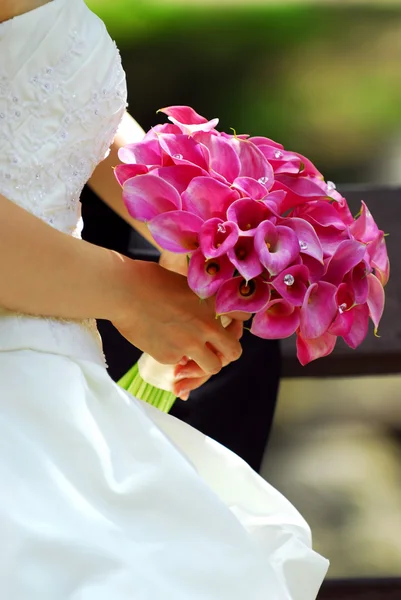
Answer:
(179, 176)
(342, 324)
(146, 196)
(208, 198)
(379, 258)
(315, 268)
(223, 158)
(308, 240)
(188, 120)
(248, 214)
(345, 301)
(364, 227)
(217, 237)
(347, 255)
(250, 188)
(176, 231)
(264, 141)
(124, 172)
(319, 310)
(154, 132)
(299, 190)
(245, 259)
(321, 213)
(359, 328)
(330, 238)
(375, 300)
(205, 277)
(183, 149)
(308, 350)
(277, 321)
(183, 114)
(274, 200)
(236, 294)
(147, 152)
(277, 247)
(253, 163)
(292, 284)
(359, 282)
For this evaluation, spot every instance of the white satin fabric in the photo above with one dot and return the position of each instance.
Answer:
(102, 497)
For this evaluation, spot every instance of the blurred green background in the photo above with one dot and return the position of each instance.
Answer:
(321, 78)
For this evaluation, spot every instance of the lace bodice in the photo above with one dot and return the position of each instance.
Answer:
(62, 96)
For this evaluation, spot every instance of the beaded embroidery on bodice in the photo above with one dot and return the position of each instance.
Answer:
(62, 97)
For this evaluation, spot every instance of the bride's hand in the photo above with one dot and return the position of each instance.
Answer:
(159, 314)
(189, 376)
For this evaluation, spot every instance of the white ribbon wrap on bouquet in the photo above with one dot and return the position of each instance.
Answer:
(159, 375)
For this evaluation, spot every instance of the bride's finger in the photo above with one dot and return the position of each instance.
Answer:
(190, 370)
(184, 387)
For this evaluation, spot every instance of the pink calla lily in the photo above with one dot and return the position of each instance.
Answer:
(308, 240)
(315, 268)
(155, 131)
(347, 255)
(345, 301)
(236, 294)
(277, 247)
(299, 190)
(188, 120)
(330, 238)
(184, 150)
(321, 213)
(364, 228)
(253, 163)
(205, 277)
(292, 284)
(375, 300)
(124, 172)
(208, 198)
(245, 259)
(359, 327)
(147, 152)
(264, 141)
(288, 163)
(176, 231)
(223, 159)
(278, 320)
(146, 196)
(217, 237)
(357, 279)
(179, 176)
(250, 188)
(311, 349)
(248, 215)
(377, 252)
(319, 310)
(274, 200)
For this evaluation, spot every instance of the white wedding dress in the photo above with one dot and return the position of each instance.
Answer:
(102, 497)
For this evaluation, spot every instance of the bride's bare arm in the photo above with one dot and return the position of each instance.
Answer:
(46, 272)
(105, 185)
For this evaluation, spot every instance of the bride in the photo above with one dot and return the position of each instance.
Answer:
(102, 497)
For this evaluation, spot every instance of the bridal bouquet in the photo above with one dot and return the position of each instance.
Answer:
(263, 232)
